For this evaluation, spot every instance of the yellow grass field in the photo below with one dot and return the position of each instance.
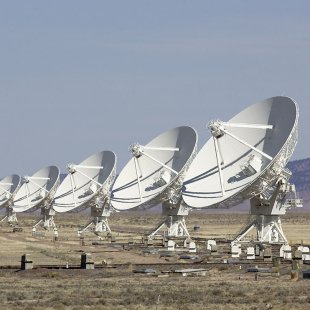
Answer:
(115, 286)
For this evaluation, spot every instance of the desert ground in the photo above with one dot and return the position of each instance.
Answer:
(56, 282)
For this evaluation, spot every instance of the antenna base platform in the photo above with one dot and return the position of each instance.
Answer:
(46, 221)
(174, 227)
(268, 207)
(10, 217)
(174, 223)
(99, 222)
(268, 229)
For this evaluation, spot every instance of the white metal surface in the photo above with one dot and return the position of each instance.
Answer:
(86, 183)
(8, 188)
(244, 156)
(37, 190)
(156, 171)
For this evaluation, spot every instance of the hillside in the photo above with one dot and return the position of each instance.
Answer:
(301, 179)
(301, 173)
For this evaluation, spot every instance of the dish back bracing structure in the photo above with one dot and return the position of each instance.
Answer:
(245, 159)
(88, 185)
(154, 176)
(37, 192)
(8, 188)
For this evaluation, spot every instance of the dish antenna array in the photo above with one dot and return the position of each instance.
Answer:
(8, 188)
(245, 159)
(36, 193)
(88, 185)
(154, 176)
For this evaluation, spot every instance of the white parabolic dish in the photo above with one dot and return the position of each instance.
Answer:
(8, 187)
(246, 172)
(160, 167)
(37, 190)
(89, 179)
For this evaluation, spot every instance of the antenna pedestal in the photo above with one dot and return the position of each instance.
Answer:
(10, 216)
(46, 221)
(99, 221)
(268, 230)
(174, 223)
(267, 209)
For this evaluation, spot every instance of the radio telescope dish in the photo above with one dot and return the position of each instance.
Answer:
(155, 173)
(88, 185)
(8, 188)
(37, 190)
(245, 156)
(36, 193)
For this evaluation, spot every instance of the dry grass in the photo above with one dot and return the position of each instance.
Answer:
(69, 289)
(125, 226)
(119, 288)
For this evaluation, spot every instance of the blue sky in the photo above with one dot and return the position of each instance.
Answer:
(77, 77)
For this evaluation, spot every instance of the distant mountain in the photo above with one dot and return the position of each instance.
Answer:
(301, 173)
(301, 178)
